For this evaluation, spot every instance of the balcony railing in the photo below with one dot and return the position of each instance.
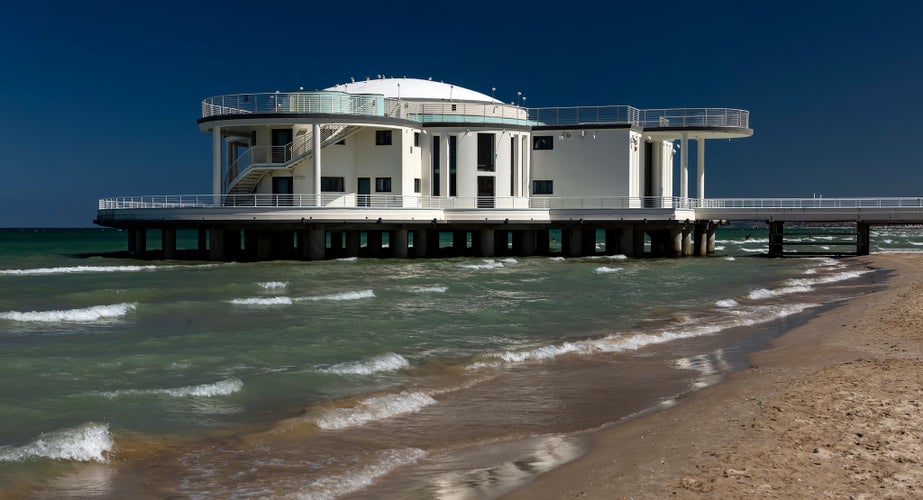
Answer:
(695, 117)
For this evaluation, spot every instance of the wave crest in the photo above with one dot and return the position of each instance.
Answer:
(87, 443)
(93, 313)
(387, 362)
(371, 409)
(221, 388)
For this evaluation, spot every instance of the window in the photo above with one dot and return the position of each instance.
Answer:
(486, 152)
(334, 184)
(453, 165)
(542, 187)
(341, 142)
(435, 180)
(416, 139)
(543, 142)
(253, 137)
(382, 137)
(382, 184)
(417, 185)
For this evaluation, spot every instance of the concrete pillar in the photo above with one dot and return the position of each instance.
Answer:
(486, 243)
(419, 244)
(336, 243)
(588, 241)
(776, 237)
(524, 242)
(353, 243)
(251, 244)
(216, 164)
(517, 165)
(373, 243)
(687, 241)
(863, 238)
(140, 238)
(676, 240)
(700, 170)
(397, 240)
(684, 166)
(168, 242)
(216, 244)
(701, 239)
(612, 241)
(542, 242)
(526, 167)
(315, 162)
(627, 242)
(572, 242)
(313, 244)
(637, 241)
(263, 245)
(711, 240)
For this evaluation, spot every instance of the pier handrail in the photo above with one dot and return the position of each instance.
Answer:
(811, 203)
(695, 117)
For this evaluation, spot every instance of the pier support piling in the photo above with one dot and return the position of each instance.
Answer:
(397, 241)
(776, 237)
(168, 242)
(863, 239)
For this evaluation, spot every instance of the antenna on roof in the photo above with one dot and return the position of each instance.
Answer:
(430, 79)
(352, 80)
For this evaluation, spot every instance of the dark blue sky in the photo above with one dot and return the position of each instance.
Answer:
(101, 98)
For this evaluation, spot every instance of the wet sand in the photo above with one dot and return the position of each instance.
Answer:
(833, 409)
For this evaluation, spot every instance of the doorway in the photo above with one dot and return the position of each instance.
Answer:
(485, 191)
(364, 192)
(281, 138)
(283, 189)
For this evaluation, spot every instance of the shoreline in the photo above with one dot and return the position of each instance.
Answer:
(804, 419)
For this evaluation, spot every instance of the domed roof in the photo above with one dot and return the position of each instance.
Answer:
(413, 89)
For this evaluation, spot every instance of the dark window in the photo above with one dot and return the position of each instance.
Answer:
(253, 137)
(333, 184)
(486, 152)
(382, 184)
(512, 166)
(341, 142)
(453, 164)
(382, 137)
(416, 139)
(542, 187)
(435, 165)
(543, 142)
(453, 107)
(417, 185)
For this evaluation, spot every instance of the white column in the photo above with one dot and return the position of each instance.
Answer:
(684, 166)
(316, 154)
(517, 166)
(700, 170)
(216, 161)
(444, 165)
(526, 166)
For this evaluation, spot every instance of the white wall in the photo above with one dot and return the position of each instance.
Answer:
(582, 166)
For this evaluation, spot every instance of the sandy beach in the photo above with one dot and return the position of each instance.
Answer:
(832, 410)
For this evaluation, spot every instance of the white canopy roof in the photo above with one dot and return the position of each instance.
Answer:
(413, 89)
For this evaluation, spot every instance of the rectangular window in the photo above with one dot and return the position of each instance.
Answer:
(332, 184)
(253, 137)
(453, 165)
(486, 152)
(542, 187)
(512, 166)
(435, 165)
(382, 184)
(417, 185)
(416, 139)
(382, 137)
(543, 142)
(341, 142)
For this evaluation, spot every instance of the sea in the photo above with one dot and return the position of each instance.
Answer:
(446, 378)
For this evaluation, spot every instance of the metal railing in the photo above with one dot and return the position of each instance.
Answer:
(810, 203)
(695, 117)
(585, 115)
(352, 200)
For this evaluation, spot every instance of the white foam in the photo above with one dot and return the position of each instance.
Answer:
(732, 259)
(916, 243)
(719, 248)
(221, 388)
(263, 301)
(606, 270)
(273, 285)
(727, 303)
(87, 443)
(509, 261)
(830, 278)
(362, 294)
(429, 289)
(752, 249)
(361, 477)
(557, 259)
(810, 271)
(86, 314)
(371, 409)
(488, 264)
(765, 293)
(90, 269)
(622, 343)
(387, 362)
(348, 259)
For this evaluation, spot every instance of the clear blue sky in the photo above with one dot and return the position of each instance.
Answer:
(101, 98)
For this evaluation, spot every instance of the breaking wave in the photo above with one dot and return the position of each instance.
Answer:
(387, 362)
(727, 303)
(263, 301)
(94, 313)
(605, 270)
(371, 409)
(363, 294)
(488, 264)
(361, 477)
(222, 388)
(429, 289)
(765, 293)
(87, 443)
(90, 269)
(272, 285)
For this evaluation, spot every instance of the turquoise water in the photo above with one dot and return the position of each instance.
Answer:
(103, 356)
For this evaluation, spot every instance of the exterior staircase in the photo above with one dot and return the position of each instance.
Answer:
(245, 174)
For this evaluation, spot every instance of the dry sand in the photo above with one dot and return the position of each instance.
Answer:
(833, 410)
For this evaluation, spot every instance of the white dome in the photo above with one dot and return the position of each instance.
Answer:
(413, 89)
